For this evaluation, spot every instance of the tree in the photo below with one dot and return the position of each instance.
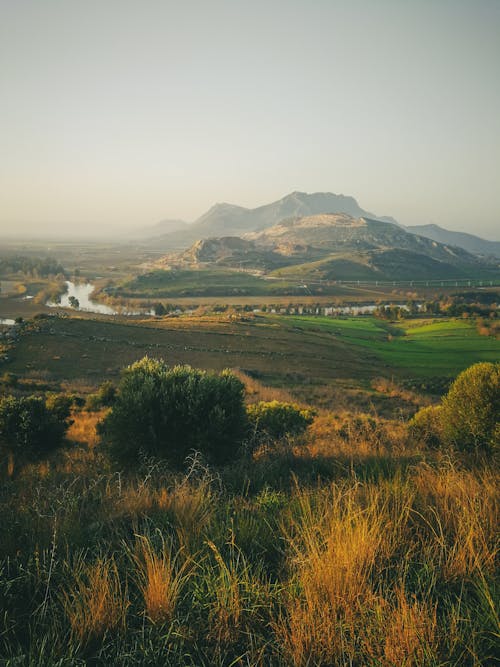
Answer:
(169, 412)
(30, 427)
(159, 309)
(471, 409)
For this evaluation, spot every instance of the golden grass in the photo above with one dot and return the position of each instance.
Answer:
(256, 391)
(83, 429)
(335, 544)
(391, 564)
(160, 579)
(97, 601)
(192, 507)
(393, 389)
(460, 510)
(344, 541)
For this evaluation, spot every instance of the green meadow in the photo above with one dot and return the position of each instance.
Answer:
(422, 348)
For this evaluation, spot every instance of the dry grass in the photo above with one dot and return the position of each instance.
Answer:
(460, 512)
(357, 438)
(394, 390)
(256, 391)
(391, 561)
(411, 630)
(83, 429)
(160, 579)
(192, 508)
(345, 541)
(97, 601)
(336, 543)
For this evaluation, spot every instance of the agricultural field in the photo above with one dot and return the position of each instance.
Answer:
(320, 360)
(411, 347)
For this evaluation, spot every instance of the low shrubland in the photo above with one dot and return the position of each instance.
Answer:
(352, 542)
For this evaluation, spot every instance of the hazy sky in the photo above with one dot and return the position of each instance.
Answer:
(118, 113)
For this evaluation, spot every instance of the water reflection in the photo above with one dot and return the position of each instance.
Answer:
(82, 292)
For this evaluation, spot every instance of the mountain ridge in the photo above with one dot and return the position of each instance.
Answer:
(335, 247)
(469, 242)
(224, 219)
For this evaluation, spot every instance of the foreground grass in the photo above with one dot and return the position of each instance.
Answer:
(353, 547)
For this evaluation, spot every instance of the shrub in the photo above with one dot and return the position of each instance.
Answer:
(275, 419)
(103, 398)
(9, 379)
(425, 425)
(470, 412)
(59, 405)
(30, 427)
(168, 412)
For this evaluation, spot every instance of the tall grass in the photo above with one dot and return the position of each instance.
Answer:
(160, 578)
(353, 546)
(96, 600)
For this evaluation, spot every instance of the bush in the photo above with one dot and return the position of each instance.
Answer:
(104, 397)
(470, 411)
(30, 427)
(277, 420)
(169, 412)
(426, 425)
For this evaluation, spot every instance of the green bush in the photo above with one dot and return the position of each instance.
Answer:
(31, 427)
(471, 409)
(425, 425)
(104, 397)
(169, 412)
(276, 420)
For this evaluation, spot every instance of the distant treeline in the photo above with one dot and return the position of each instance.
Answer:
(37, 267)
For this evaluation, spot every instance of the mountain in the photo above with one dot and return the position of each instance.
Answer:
(224, 220)
(469, 242)
(238, 253)
(334, 247)
(343, 233)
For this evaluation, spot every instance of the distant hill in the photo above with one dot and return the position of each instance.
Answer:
(341, 233)
(469, 242)
(224, 220)
(159, 229)
(334, 247)
(235, 252)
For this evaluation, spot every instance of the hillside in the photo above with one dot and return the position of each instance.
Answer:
(333, 247)
(338, 233)
(235, 252)
(469, 242)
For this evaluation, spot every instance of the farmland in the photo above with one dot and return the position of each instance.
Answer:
(316, 358)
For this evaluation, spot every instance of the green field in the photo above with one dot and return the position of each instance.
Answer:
(325, 361)
(206, 282)
(441, 347)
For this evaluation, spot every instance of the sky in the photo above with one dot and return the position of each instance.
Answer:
(115, 114)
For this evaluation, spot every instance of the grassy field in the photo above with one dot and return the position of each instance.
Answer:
(352, 546)
(203, 283)
(421, 348)
(325, 361)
